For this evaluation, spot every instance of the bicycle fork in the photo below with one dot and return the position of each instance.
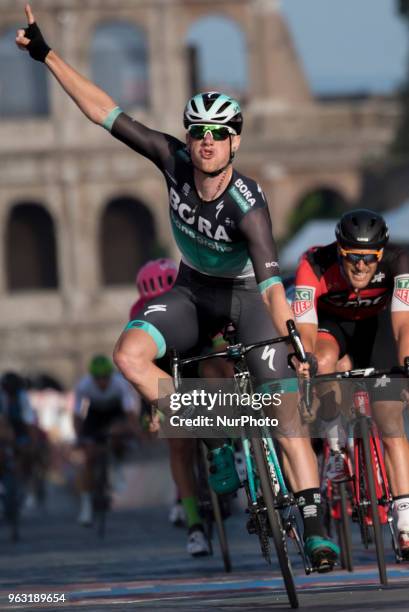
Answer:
(283, 502)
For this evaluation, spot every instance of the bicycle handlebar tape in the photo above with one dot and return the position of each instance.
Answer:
(307, 383)
(303, 358)
(307, 393)
(312, 362)
(296, 341)
(37, 47)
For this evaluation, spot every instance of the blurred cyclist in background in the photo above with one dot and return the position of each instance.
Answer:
(104, 404)
(18, 427)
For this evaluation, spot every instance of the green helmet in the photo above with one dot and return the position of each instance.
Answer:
(100, 366)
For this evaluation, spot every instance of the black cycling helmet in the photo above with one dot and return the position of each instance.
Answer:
(11, 382)
(362, 229)
(214, 108)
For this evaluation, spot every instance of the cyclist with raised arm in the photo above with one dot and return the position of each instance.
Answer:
(229, 270)
(352, 298)
(104, 404)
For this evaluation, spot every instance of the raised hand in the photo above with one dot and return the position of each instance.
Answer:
(21, 39)
(30, 39)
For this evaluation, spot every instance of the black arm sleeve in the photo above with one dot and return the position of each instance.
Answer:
(156, 146)
(256, 228)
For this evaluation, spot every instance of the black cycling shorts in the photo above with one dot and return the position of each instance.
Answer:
(370, 343)
(199, 306)
(97, 422)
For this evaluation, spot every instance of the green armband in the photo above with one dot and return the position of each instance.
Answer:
(270, 282)
(110, 119)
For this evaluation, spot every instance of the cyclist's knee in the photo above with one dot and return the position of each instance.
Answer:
(133, 358)
(327, 354)
(327, 361)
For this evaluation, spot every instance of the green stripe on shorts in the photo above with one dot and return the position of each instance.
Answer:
(153, 332)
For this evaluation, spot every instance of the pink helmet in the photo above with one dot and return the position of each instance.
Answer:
(156, 277)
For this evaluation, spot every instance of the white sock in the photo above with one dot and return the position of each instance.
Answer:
(401, 513)
(335, 433)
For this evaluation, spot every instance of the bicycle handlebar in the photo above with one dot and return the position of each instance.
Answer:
(306, 387)
(363, 373)
(296, 341)
(238, 350)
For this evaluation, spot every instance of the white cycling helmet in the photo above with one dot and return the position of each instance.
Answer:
(214, 108)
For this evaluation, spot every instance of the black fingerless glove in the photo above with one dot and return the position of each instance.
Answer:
(313, 363)
(37, 47)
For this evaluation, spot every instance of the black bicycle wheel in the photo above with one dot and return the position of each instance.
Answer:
(101, 523)
(39, 486)
(203, 494)
(218, 518)
(101, 497)
(99, 512)
(278, 534)
(327, 519)
(344, 529)
(11, 502)
(12, 497)
(373, 500)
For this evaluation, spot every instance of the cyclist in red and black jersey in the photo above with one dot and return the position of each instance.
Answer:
(352, 298)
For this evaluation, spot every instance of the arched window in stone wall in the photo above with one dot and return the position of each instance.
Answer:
(119, 63)
(31, 261)
(127, 240)
(322, 203)
(221, 65)
(23, 83)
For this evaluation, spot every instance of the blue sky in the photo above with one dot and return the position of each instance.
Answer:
(349, 44)
(344, 45)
